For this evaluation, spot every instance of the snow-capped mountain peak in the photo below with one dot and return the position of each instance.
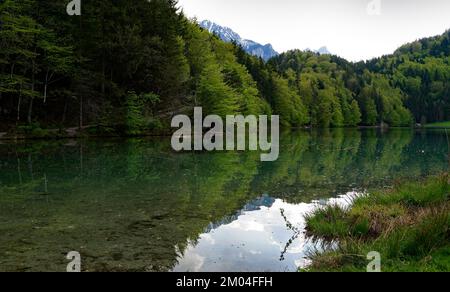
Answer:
(228, 35)
(225, 33)
(322, 51)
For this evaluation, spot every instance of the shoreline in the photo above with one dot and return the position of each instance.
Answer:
(75, 133)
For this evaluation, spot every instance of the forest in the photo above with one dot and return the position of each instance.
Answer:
(126, 67)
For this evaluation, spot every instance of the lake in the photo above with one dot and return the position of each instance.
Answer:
(135, 205)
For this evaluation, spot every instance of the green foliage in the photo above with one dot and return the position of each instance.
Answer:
(329, 222)
(369, 108)
(150, 46)
(137, 120)
(338, 93)
(353, 116)
(214, 95)
(422, 71)
(288, 104)
(409, 194)
(250, 101)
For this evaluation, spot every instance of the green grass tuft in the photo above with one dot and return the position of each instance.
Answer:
(409, 226)
(328, 222)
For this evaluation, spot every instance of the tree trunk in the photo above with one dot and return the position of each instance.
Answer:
(45, 87)
(81, 113)
(66, 105)
(45, 93)
(81, 158)
(18, 107)
(448, 147)
(103, 74)
(19, 102)
(2, 71)
(19, 170)
(30, 110)
(30, 166)
(33, 81)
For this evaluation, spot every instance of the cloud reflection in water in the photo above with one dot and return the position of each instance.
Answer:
(254, 239)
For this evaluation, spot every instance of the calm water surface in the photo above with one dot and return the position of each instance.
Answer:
(135, 205)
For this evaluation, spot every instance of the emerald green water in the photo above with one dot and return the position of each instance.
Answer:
(135, 205)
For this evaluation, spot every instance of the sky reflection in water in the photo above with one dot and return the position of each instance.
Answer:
(256, 239)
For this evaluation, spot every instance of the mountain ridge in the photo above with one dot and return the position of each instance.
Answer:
(265, 52)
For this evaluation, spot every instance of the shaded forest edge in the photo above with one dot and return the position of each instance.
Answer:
(125, 68)
(409, 226)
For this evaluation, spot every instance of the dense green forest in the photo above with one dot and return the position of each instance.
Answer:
(128, 66)
(422, 71)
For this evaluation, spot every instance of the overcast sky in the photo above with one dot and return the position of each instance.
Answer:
(344, 26)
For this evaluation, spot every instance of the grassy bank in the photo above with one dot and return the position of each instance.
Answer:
(441, 125)
(408, 226)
